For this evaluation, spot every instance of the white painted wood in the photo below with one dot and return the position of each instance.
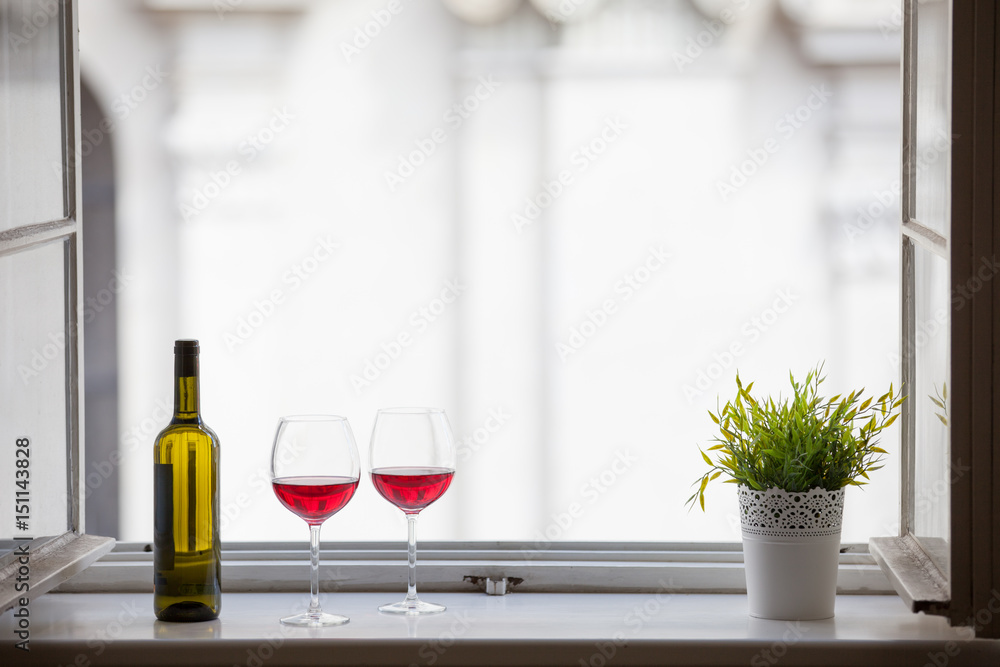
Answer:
(35, 567)
(926, 237)
(562, 568)
(658, 627)
(912, 573)
(40, 204)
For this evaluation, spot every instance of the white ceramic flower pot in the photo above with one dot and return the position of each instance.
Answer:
(791, 547)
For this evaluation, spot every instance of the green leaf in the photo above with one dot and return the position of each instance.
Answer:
(891, 419)
(798, 441)
(707, 460)
(714, 418)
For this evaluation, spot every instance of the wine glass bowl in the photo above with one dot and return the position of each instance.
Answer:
(315, 470)
(411, 489)
(412, 462)
(313, 498)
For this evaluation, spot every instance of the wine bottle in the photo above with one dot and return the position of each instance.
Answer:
(187, 583)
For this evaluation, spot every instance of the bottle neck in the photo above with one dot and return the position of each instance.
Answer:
(187, 406)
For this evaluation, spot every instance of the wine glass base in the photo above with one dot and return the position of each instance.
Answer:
(320, 620)
(412, 607)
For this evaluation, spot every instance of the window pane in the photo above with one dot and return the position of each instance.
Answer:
(33, 392)
(568, 236)
(930, 396)
(932, 151)
(31, 186)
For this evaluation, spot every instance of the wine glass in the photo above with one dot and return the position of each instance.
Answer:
(412, 458)
(315, 470)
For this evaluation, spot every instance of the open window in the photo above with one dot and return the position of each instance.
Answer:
(947, 557)
(40, 346)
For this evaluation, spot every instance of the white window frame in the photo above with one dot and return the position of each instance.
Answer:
(53, 559)
(973, 552)
(574, 567)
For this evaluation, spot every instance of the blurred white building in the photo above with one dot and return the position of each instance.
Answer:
(568, 223)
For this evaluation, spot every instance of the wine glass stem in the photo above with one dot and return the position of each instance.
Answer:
(314, 608)
(411, 555)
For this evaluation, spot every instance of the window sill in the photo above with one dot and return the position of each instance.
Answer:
(518, 629)
(570, 567)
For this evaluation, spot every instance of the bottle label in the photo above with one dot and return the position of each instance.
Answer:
(163, 516)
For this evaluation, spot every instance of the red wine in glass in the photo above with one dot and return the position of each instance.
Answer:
(315, 499)
(315, 471)
(411, 489)
(412, 462)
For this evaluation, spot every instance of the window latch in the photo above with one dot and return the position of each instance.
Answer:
(493, 586)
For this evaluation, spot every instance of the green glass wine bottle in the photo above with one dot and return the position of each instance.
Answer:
(187, 582)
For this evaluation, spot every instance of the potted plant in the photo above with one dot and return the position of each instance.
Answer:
(792, 459)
